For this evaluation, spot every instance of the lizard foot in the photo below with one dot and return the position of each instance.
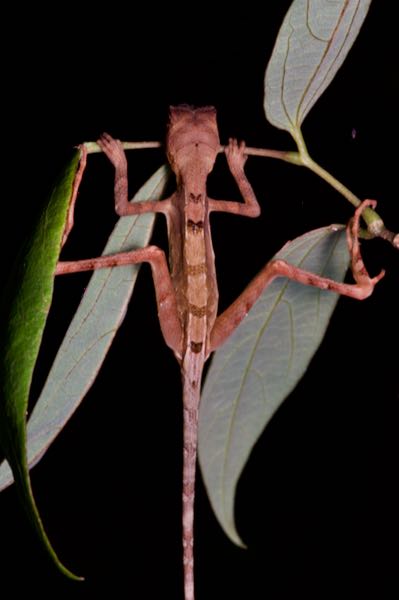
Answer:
(359, 271)
(113, 149)
(235, 154)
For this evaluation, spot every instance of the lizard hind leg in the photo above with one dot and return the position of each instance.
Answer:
(229, 320)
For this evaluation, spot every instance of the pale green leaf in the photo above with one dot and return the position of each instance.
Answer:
(91, 332)
(314, 39)
(260, 364)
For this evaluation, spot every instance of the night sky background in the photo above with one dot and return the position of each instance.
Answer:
(317, 503)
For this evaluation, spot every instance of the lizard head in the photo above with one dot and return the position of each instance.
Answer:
(192, 139)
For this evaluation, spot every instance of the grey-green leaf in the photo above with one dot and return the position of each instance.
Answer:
(314, 39)
(260, 364)
(91, 332)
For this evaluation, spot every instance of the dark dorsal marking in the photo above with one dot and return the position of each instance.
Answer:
(195, 227)
(196, 347)
(197, 311)
(196, 269)
(195, 197)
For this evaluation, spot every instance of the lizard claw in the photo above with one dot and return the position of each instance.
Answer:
(113, 149)
(235, 154)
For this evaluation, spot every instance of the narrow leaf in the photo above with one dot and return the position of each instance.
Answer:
(314, 39)
(91, 332)
(24, 307)
(260, 364)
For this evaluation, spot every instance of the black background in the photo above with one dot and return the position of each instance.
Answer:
(317, 502)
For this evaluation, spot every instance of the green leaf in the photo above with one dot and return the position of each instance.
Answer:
(91, 332)
(24, 307)
(261, 363)
(314, 39)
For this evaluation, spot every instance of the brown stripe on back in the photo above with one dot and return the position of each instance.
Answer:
(195, 226)
(196, 347)
(197, 311)
(196, 198)
(194, 270)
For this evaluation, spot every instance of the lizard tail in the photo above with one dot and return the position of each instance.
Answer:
(190, 429)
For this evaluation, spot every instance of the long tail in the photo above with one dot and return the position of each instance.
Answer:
(191, 395)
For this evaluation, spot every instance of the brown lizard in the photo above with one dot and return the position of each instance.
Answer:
(187, 294)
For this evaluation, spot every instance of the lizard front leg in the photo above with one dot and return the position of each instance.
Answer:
(113, 149)
(236, 159)
(227, 322)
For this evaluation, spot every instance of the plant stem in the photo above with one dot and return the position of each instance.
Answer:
(307, 161)
(291, 157)
(375, 225)
(93, 147)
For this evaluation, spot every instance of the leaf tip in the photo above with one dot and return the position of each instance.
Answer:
(232, 534)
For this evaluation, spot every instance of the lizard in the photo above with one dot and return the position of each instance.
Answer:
(186, 290)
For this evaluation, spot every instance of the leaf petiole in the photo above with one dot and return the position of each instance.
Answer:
(375, 225)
